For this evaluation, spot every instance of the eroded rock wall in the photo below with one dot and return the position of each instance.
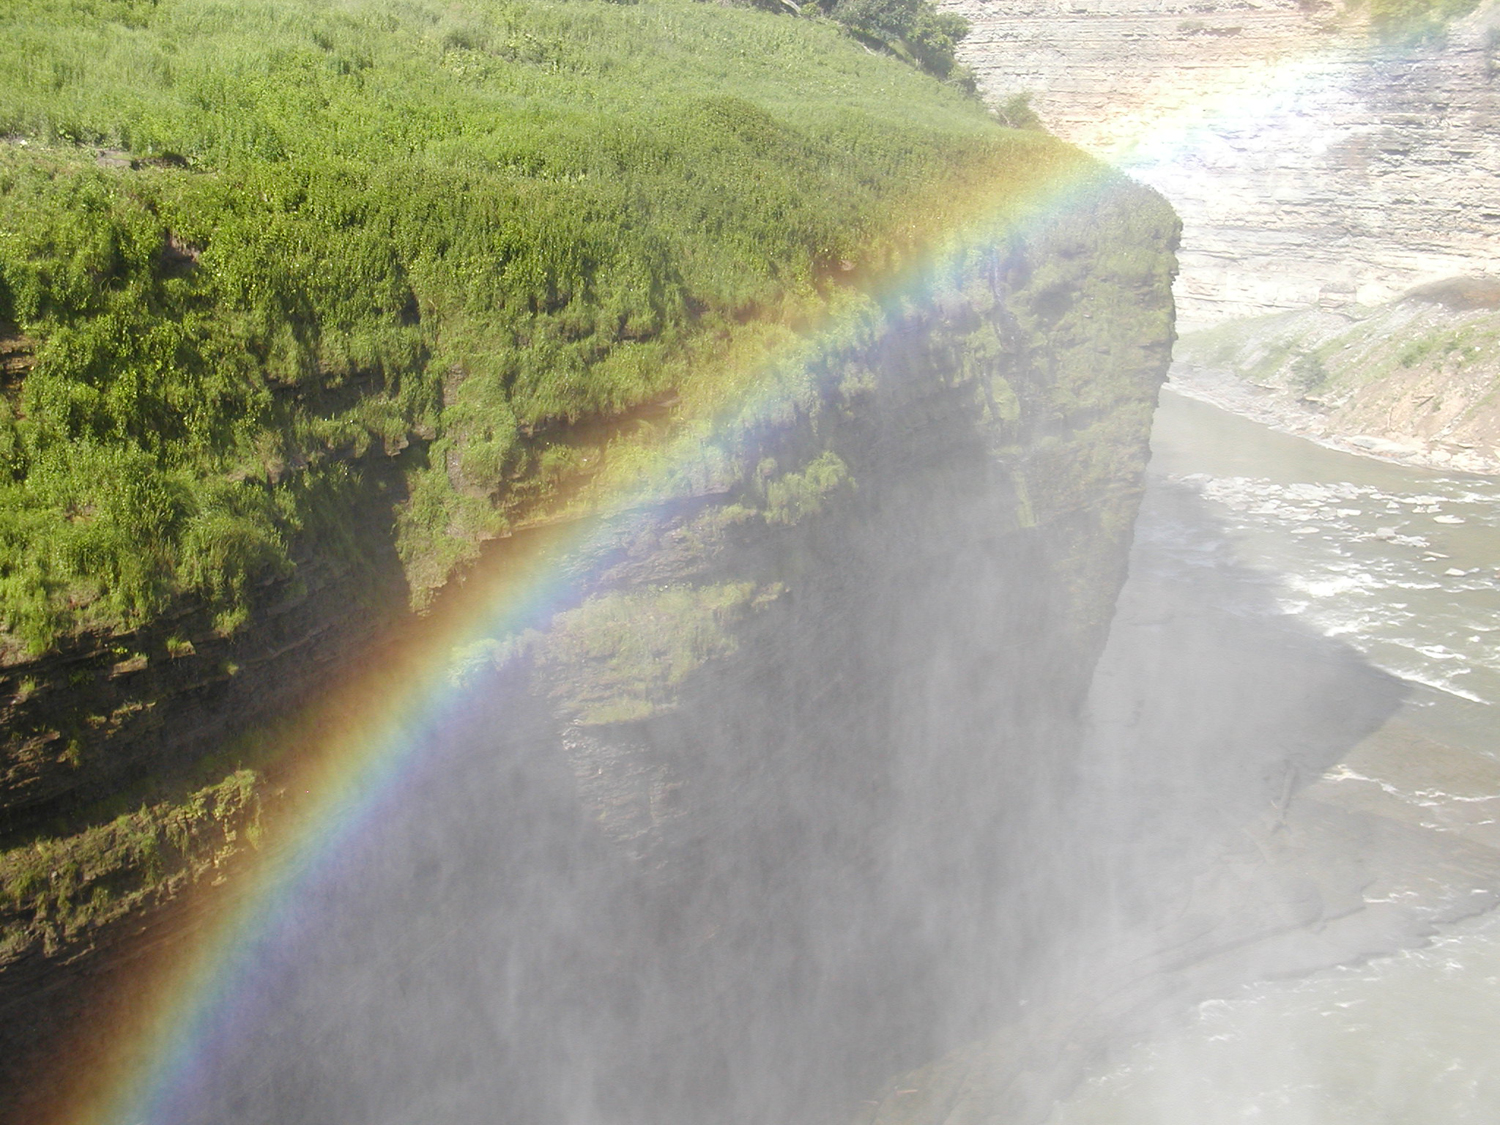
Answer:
(1415, 381)
(1309, 166)
(748, 825)
(96, 715)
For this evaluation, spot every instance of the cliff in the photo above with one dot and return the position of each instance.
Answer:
(279, 354)
(272, 380)
(784, 731)
(746, 825)
(1312, 164)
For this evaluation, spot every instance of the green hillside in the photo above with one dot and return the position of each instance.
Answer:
(250, 250)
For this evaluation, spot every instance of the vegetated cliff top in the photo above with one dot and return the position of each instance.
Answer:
(251, 253)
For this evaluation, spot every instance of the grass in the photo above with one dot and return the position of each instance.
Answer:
(622, 656)
(254, 248)
(254, 254)
(63, 886)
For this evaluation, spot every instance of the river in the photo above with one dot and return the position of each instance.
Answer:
(1291, 767)
(1399, 565)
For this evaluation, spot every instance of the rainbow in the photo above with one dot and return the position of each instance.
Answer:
(383, 719)
(369, 735)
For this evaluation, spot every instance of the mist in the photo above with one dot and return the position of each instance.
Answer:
(897, 858)
(706, 608)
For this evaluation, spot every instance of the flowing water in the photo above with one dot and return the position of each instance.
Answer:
(1400, 564)
(1292, 765)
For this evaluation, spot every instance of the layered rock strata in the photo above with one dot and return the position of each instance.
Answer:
(97, 715)
(1310, 167)
(1416, 381)
(745, 826)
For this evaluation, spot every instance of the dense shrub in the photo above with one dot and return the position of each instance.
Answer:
(913, 27)
(1407, 23)
(257, 247)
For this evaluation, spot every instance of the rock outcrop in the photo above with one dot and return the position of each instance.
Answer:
(1310, 166)
(736, 833)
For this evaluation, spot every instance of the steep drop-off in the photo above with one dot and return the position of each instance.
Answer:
(784, 749)
(299, 306)
(844, 643)
(751, 823)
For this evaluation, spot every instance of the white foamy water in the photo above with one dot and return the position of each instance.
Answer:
(1404, 1040)
(1400, 564)
(1409, 577)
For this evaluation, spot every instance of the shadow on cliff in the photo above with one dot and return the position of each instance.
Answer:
(868, 883)
(1174, 861)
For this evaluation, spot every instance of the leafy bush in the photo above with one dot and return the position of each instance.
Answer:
(912, 28)
(1308, 373)
(792, 496)
(1407, 23)
(1016, 112)
(638, 648)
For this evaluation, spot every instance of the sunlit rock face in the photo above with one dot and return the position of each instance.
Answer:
(1308, 167)
(1415, 380)
(760, 818)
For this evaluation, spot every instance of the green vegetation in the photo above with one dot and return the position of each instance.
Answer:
(1413, 352)
(620, 657)
(1017, 112)
(1407, 23)
(793, 496)
(1308, 375)
(912, 29)
(63, 886)
(256, 251)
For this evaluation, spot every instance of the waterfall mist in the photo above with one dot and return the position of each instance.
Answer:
(889, 830)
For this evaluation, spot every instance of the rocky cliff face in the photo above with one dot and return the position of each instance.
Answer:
(730, 836)
(919, 570)
(100, 714)
(1309, 167)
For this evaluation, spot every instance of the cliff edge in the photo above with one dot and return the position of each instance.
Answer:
(296, 379)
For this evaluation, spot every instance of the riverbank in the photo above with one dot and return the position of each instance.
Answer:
(1415, 382)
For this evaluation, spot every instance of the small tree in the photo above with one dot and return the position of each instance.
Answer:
(1016, 112)
(934, 36)
(911, 28)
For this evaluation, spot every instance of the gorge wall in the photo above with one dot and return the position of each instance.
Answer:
(1309, 165)
(1413, 381)
(746, 826)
